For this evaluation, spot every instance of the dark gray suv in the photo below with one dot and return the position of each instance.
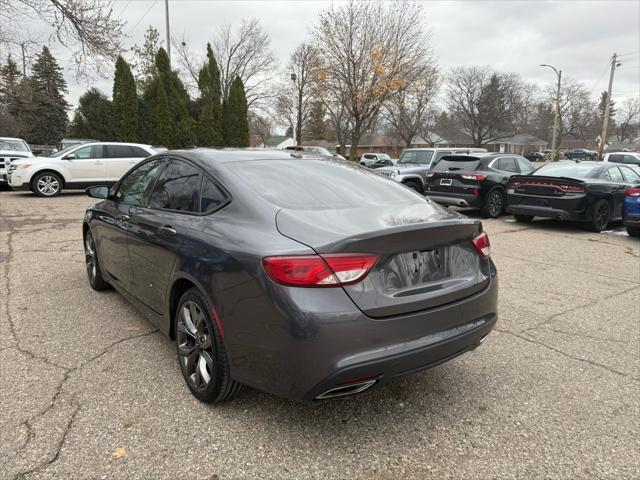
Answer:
(305, 277)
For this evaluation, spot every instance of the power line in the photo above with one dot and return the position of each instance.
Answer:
(601, 74)
(142, 17)
(124, 8)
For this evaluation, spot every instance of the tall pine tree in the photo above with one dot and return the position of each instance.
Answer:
(10, 99)
(182, 132)
(92, 118)
(210, 117)
(235, 118)
(125, 103)
(158, 121)
(47, 122)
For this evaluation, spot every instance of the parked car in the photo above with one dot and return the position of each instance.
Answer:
(387, 162)
(78, 166)
(70, 142)
(320, 151)
(11, 149)
(307, 290)
(535, 157)
(580, 154)
(368, 159)
(627, 158)
(588, 192)
(478, 180)
(413, 164)
(631, 210)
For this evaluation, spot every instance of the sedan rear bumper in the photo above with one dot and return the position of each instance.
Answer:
(545, 212)
(446, 346)
(317, 340)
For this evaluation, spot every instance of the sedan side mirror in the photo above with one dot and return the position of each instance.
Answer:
(71, 156)
(99, 191)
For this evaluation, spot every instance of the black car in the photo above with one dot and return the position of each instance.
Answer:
(535, 157)
(588, 192)
(475, 180)
(305, 289)
(580, 154)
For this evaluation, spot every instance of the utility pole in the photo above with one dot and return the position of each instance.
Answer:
(607, 107)
(166, 18)
(556, 119)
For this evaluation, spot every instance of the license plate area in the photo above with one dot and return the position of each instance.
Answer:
(446, 182)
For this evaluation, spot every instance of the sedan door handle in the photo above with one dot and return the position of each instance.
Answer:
(167, 230)
(124, 218)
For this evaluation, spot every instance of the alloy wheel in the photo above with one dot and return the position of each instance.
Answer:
(195, 346)
(495, 204)
(602, 216)
(48, 185)
(90, 256)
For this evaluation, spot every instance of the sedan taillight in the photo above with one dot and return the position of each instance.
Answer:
(482, 245)
(329, 270)
(632, 192)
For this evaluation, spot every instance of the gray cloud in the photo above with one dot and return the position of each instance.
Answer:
(576, 36)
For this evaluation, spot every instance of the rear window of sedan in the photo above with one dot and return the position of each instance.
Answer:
(307, 184)
(572, 170)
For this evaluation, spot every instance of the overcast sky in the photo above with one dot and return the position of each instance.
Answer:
(515, 36)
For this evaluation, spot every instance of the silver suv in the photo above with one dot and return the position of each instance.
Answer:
(413, 164)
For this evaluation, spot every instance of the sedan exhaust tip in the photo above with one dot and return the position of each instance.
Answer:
(348, 389)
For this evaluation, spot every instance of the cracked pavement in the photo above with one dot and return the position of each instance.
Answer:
(89, 389)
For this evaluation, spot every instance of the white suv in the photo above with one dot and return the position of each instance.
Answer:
(78, 166)
(369, 159)
(628, 158)
(11, 149)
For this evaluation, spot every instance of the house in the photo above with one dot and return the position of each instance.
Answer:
(377, 143)
(520, 144)
(277, 141)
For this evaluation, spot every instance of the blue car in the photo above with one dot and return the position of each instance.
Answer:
(631, 210)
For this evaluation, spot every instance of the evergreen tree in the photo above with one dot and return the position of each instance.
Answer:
(47, 120)
(235, 119)
(145, 57)
(10, 99)
(315, 128)
(159, 115)
(601, 108)
(182, 133)
(92, 118)
(210, 117)
(125, 103)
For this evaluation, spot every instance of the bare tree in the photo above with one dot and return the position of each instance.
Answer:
(260, 126)
(368, 51)
(87, 27)
(578, 111)
(294, 101)
(409, 110)
(628, 119)
(484, 102)
(243, 52)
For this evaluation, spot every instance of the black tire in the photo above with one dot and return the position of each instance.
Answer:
(523, 218)
(201, 351)
(493, 205)
(46, 184)
(600, 216)
(93, 264)
(633, 231)
(413, 185)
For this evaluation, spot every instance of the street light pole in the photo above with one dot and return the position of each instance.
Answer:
(296, 106)
(166, 19)
(556, 120)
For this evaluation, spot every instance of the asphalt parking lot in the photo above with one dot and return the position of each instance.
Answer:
(88, 388)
